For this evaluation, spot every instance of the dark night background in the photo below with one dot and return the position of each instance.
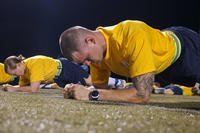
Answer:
(32, 27)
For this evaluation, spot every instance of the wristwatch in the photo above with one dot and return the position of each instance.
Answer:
(94, 94)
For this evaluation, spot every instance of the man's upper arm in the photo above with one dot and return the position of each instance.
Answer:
(144, 84)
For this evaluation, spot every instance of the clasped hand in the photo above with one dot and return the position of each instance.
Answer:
(76, 91)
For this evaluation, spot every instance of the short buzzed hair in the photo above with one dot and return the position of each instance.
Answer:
(70, 40)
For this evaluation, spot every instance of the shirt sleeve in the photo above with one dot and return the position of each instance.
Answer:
(99, 73)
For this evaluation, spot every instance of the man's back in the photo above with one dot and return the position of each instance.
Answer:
(134, 48)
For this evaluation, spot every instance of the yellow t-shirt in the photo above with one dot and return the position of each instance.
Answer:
(133, 49)
(38, 68)
(4, 77)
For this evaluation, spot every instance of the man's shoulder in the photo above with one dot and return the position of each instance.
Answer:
(132, 23)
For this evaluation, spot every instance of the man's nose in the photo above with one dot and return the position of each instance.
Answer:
(87, 63)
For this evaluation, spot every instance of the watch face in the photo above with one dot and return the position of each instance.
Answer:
(95, 93)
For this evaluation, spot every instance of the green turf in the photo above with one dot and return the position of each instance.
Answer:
(47, 111)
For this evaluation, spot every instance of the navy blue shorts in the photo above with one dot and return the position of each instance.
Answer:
(71, 73)
(186, 70)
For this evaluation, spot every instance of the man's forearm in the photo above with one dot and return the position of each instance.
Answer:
(26, 89)
(124, 95)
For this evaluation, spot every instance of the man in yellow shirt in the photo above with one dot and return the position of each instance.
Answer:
(41, 69)
(135, 50)
(38, 69)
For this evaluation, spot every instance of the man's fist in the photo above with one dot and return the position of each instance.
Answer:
(8, 87)
(76, 91)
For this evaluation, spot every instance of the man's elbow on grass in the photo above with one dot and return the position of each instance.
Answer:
(143, 85)
(145, 99)
(144, 96)
(34, 87)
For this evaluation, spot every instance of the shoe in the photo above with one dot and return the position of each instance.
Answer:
(196, 89)
(159, 90)
(120, 84)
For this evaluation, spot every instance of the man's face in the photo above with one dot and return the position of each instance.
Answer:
(18, 71)
(88, 55)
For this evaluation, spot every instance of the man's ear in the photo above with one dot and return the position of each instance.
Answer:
(19, 64)
(89, 39)
(76, 55)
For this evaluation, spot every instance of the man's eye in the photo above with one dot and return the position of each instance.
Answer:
(89, 59)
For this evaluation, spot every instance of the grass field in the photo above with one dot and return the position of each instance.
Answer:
(47, 111)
